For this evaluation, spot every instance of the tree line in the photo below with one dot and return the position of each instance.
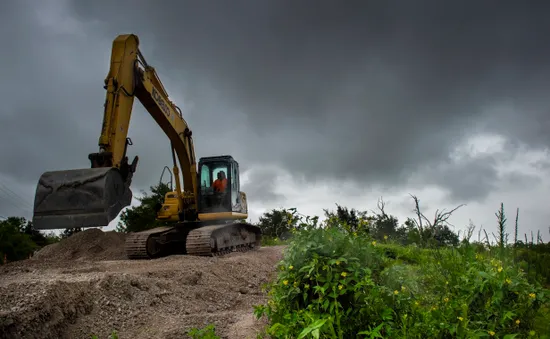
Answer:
(18, 239)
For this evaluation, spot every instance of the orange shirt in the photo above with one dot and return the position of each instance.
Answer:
(220, 185)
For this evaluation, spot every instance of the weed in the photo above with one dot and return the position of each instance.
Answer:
(209, 332)
(332, 284)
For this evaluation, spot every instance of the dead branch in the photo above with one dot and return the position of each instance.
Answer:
(441, 217)
(381, 205)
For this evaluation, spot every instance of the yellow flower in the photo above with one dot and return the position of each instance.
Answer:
(285, 282)
(532, 295)
(295, 284)
(290, 267)
(446, 300)
(373, 243)
(508, 281)
(500, 269)
(344, 274)
(460, 318)
(403, 288)
(517, 322)
(491, 333)
(396, 292)
(416, 303)
(337, 262)
(340, 287)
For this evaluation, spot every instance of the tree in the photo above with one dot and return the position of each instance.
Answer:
(39, 238)
(435, 231)
(383, 224)
(277, 223)
(14, 243)
(349, 220)
(70, 231)
(143, 217)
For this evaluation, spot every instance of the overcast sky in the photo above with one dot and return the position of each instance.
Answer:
(321, 102)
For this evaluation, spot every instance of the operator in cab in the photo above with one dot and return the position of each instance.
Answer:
(221, 183)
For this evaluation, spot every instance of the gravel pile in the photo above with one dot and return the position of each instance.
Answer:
(80, 295)
(90, 244)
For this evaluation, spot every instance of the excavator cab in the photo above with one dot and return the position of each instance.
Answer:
(220, 200)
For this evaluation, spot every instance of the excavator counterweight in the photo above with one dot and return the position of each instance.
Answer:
(204, 217)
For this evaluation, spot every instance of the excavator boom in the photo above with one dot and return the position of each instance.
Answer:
(94, 196)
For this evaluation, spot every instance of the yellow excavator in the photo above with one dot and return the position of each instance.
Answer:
(205, 218)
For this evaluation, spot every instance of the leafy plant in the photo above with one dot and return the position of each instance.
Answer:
(332, 284)
(209, 332)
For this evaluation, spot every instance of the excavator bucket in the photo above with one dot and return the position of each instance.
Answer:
(88, 197)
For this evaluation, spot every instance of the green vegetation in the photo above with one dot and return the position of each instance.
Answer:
(143, 217)
(363, 276)
(18, 240)
(208, 332)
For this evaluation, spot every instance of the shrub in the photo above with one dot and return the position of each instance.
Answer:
(209, 332)
(336, 285)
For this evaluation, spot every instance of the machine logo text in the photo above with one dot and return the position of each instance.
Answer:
(160, 101)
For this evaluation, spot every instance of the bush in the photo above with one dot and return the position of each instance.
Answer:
(336, 285)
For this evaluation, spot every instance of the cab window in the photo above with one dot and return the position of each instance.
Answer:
(206, 180)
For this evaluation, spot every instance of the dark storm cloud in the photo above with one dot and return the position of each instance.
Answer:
(365, 90)
(473, 178)
(261, 186)
(467, 180)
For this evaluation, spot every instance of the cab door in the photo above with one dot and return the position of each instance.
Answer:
(209, 200)
(234, 183)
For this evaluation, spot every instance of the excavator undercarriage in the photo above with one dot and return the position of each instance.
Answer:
(199, 240)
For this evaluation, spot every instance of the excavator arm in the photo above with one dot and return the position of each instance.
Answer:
(94, 196)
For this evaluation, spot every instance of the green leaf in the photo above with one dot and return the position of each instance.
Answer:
(484, 275)
(315, 326)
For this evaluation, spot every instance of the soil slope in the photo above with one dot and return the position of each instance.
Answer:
(83, 286)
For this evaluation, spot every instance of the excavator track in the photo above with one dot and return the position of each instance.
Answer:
(216, 240)
(211, 240)
(142, 245)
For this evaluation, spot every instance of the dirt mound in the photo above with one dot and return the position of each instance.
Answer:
(91, 244)
(161, 298)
